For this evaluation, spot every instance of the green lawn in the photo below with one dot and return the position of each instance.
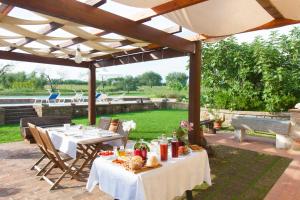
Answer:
(10, 133)
(241, 175)
(150, 124)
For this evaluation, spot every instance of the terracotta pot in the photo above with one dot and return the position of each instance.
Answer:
(217, 125)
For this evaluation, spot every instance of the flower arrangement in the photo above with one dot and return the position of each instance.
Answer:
(183, 129)
(129, 125)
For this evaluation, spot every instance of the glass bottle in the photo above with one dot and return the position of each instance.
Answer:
(163, 148)
(175, 145)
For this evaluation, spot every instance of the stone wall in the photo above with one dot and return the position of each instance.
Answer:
(229, 114)
(295, 120)
(74, 110)
(2, 116)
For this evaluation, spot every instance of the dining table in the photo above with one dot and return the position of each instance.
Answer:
(173, 178)
(81, 142)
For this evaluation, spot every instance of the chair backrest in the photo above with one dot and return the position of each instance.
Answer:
(53, 154)
(35, 133)
(98, 95)
(120, 129)
(53, 96)
(104, 123)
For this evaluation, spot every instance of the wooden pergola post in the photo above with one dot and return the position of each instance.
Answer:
(92, 95)
(196, 135)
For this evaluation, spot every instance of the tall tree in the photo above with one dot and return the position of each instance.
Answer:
(176, 80)
(150, 79)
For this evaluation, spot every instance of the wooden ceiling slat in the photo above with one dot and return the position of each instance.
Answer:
(165, 8)
(122, 43)
(95, 3)
(5, 9)
(51, 27)
(97, 18)
(140, 57)
(270, 8)
(40, 59)
(141, 18)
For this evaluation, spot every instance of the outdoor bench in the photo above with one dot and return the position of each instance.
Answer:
(49, 121)
(279, 127)
(209, 124)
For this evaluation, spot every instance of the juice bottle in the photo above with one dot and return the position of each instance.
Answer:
(164, 149)
(122, 151)
(175, 145)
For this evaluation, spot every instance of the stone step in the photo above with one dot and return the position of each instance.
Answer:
(16, 107)
(19, 112)
(13, 121)
(13, 114)
(19, 116)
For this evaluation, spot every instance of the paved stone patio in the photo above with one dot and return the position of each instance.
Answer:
(17, 181)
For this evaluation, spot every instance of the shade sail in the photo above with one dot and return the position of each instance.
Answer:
(45, 29)
(215, 18)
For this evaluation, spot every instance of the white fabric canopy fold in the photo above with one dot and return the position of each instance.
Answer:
(223, 17)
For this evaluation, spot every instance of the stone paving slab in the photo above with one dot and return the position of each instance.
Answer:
(18, 182)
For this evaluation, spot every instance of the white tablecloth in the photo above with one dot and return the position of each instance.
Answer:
(66, 141)
(164, 183)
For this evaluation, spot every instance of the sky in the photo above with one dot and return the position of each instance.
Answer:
(163, 67)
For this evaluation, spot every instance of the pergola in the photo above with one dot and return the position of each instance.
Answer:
(90, 24)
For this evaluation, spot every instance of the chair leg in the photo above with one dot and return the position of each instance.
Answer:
(44, 168)
(59, 179)
(38, 162)
(48, 171)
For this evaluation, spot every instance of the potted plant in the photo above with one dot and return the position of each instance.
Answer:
(217, 117)
(141, 148)
(182, 132)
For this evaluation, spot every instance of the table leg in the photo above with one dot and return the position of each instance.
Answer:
(90, 156)
(189, 195)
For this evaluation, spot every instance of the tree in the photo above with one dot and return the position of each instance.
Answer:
(176, 80)
(4, 69)
(261, 75)
(150, 79)
(130, 83)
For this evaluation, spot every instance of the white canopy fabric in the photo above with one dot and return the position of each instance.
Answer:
(223, 17)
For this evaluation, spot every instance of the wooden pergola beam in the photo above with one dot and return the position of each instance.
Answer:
(5, 9)
(50, 28)
(140, 57)
(97, 18)
(92, 95)
(7, 55)
(142, 17)
(95, 3)
(165, 8)
(270, 8)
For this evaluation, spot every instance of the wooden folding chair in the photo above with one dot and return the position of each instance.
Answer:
(123, 133)
(57, 160)
(41, 146)
(104, 123)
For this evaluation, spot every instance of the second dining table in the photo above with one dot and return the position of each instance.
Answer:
(86, 140)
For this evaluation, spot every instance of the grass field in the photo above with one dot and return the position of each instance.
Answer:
(150, 124)
(241, 175)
